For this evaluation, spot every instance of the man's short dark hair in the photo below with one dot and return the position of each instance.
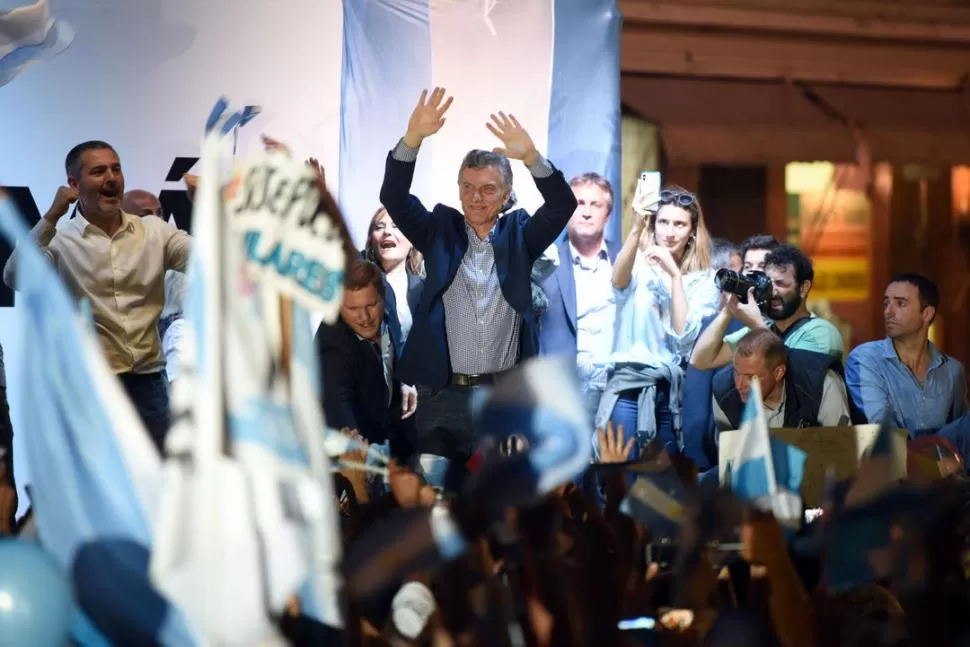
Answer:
(929, 294)
(790, 256)
(758, 241)
(72, 163)
(361, 274)
(763, 342)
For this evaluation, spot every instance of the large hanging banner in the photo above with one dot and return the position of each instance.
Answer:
(554, 64)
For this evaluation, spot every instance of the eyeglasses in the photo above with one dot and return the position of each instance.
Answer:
(684, 200)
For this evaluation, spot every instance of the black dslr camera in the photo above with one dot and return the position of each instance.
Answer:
(738, 284)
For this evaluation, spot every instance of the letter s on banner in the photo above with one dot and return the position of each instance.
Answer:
(273, 202)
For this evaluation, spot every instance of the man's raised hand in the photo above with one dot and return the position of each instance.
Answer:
(428, 116)
(518, 145)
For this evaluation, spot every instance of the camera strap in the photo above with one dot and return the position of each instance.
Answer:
(792, 328)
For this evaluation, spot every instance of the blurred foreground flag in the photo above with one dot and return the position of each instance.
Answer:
(95, 498)
(541, 402)
(657, 501)
(249, 519)
(766, 472)
(28, 35)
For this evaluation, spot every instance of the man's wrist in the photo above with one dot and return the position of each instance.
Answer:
(531, 158)
(411, 140)
(53, 215)
(756, 323)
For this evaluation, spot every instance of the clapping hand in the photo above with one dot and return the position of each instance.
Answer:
(428, 116)
(518, 145)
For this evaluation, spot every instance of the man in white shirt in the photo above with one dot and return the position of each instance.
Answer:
(117, 261)
(579, 319)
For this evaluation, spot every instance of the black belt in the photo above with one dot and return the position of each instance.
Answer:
(460, 379)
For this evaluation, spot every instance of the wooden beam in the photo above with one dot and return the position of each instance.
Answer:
(803, 20)
(691, 52)
(947, 12)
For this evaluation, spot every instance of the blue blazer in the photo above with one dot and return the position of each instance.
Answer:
(441, 237)
(557, 327)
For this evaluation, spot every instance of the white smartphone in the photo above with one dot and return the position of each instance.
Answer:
(650, 183)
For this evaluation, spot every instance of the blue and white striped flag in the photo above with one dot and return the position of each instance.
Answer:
(554, 64)
(95, 497)
(250, 523)
(766, 472)
(28, 35)
(657, 501)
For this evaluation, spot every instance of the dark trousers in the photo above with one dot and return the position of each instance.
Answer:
(6, 450)
(149, 394)
(444, 423)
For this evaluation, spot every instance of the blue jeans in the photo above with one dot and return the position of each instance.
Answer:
(625, 413)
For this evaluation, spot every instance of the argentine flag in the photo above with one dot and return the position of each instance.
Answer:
(97, 475)
(554, 64)
(246, 524)
(28, 35)
(766, 472)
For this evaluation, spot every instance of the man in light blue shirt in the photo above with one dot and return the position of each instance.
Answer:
(904, 377)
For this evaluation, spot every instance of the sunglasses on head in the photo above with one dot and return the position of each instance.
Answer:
(678, 198)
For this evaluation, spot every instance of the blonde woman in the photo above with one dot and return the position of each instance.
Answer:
(403, 268)
(664, 288)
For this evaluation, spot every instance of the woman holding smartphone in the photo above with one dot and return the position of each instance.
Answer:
(664, 289)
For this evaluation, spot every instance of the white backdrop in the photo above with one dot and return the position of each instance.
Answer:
(143, 75)
(336, 79)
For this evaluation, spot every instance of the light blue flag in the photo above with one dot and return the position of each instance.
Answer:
(541, 402)
(94, 498)
(28, 35)
(765, 471)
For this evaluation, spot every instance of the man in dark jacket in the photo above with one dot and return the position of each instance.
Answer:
(798, 388)
(357, 357)
(475, 319)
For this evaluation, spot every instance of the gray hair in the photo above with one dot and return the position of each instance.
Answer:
(721, 252)
(477, 158)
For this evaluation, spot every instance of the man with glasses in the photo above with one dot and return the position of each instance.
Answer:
(475, 319)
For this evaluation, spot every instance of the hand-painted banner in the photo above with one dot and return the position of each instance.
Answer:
(289, 240)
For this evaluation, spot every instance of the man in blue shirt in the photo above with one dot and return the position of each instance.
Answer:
(903, 377)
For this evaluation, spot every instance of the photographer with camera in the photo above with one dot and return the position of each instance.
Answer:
(778, 294)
